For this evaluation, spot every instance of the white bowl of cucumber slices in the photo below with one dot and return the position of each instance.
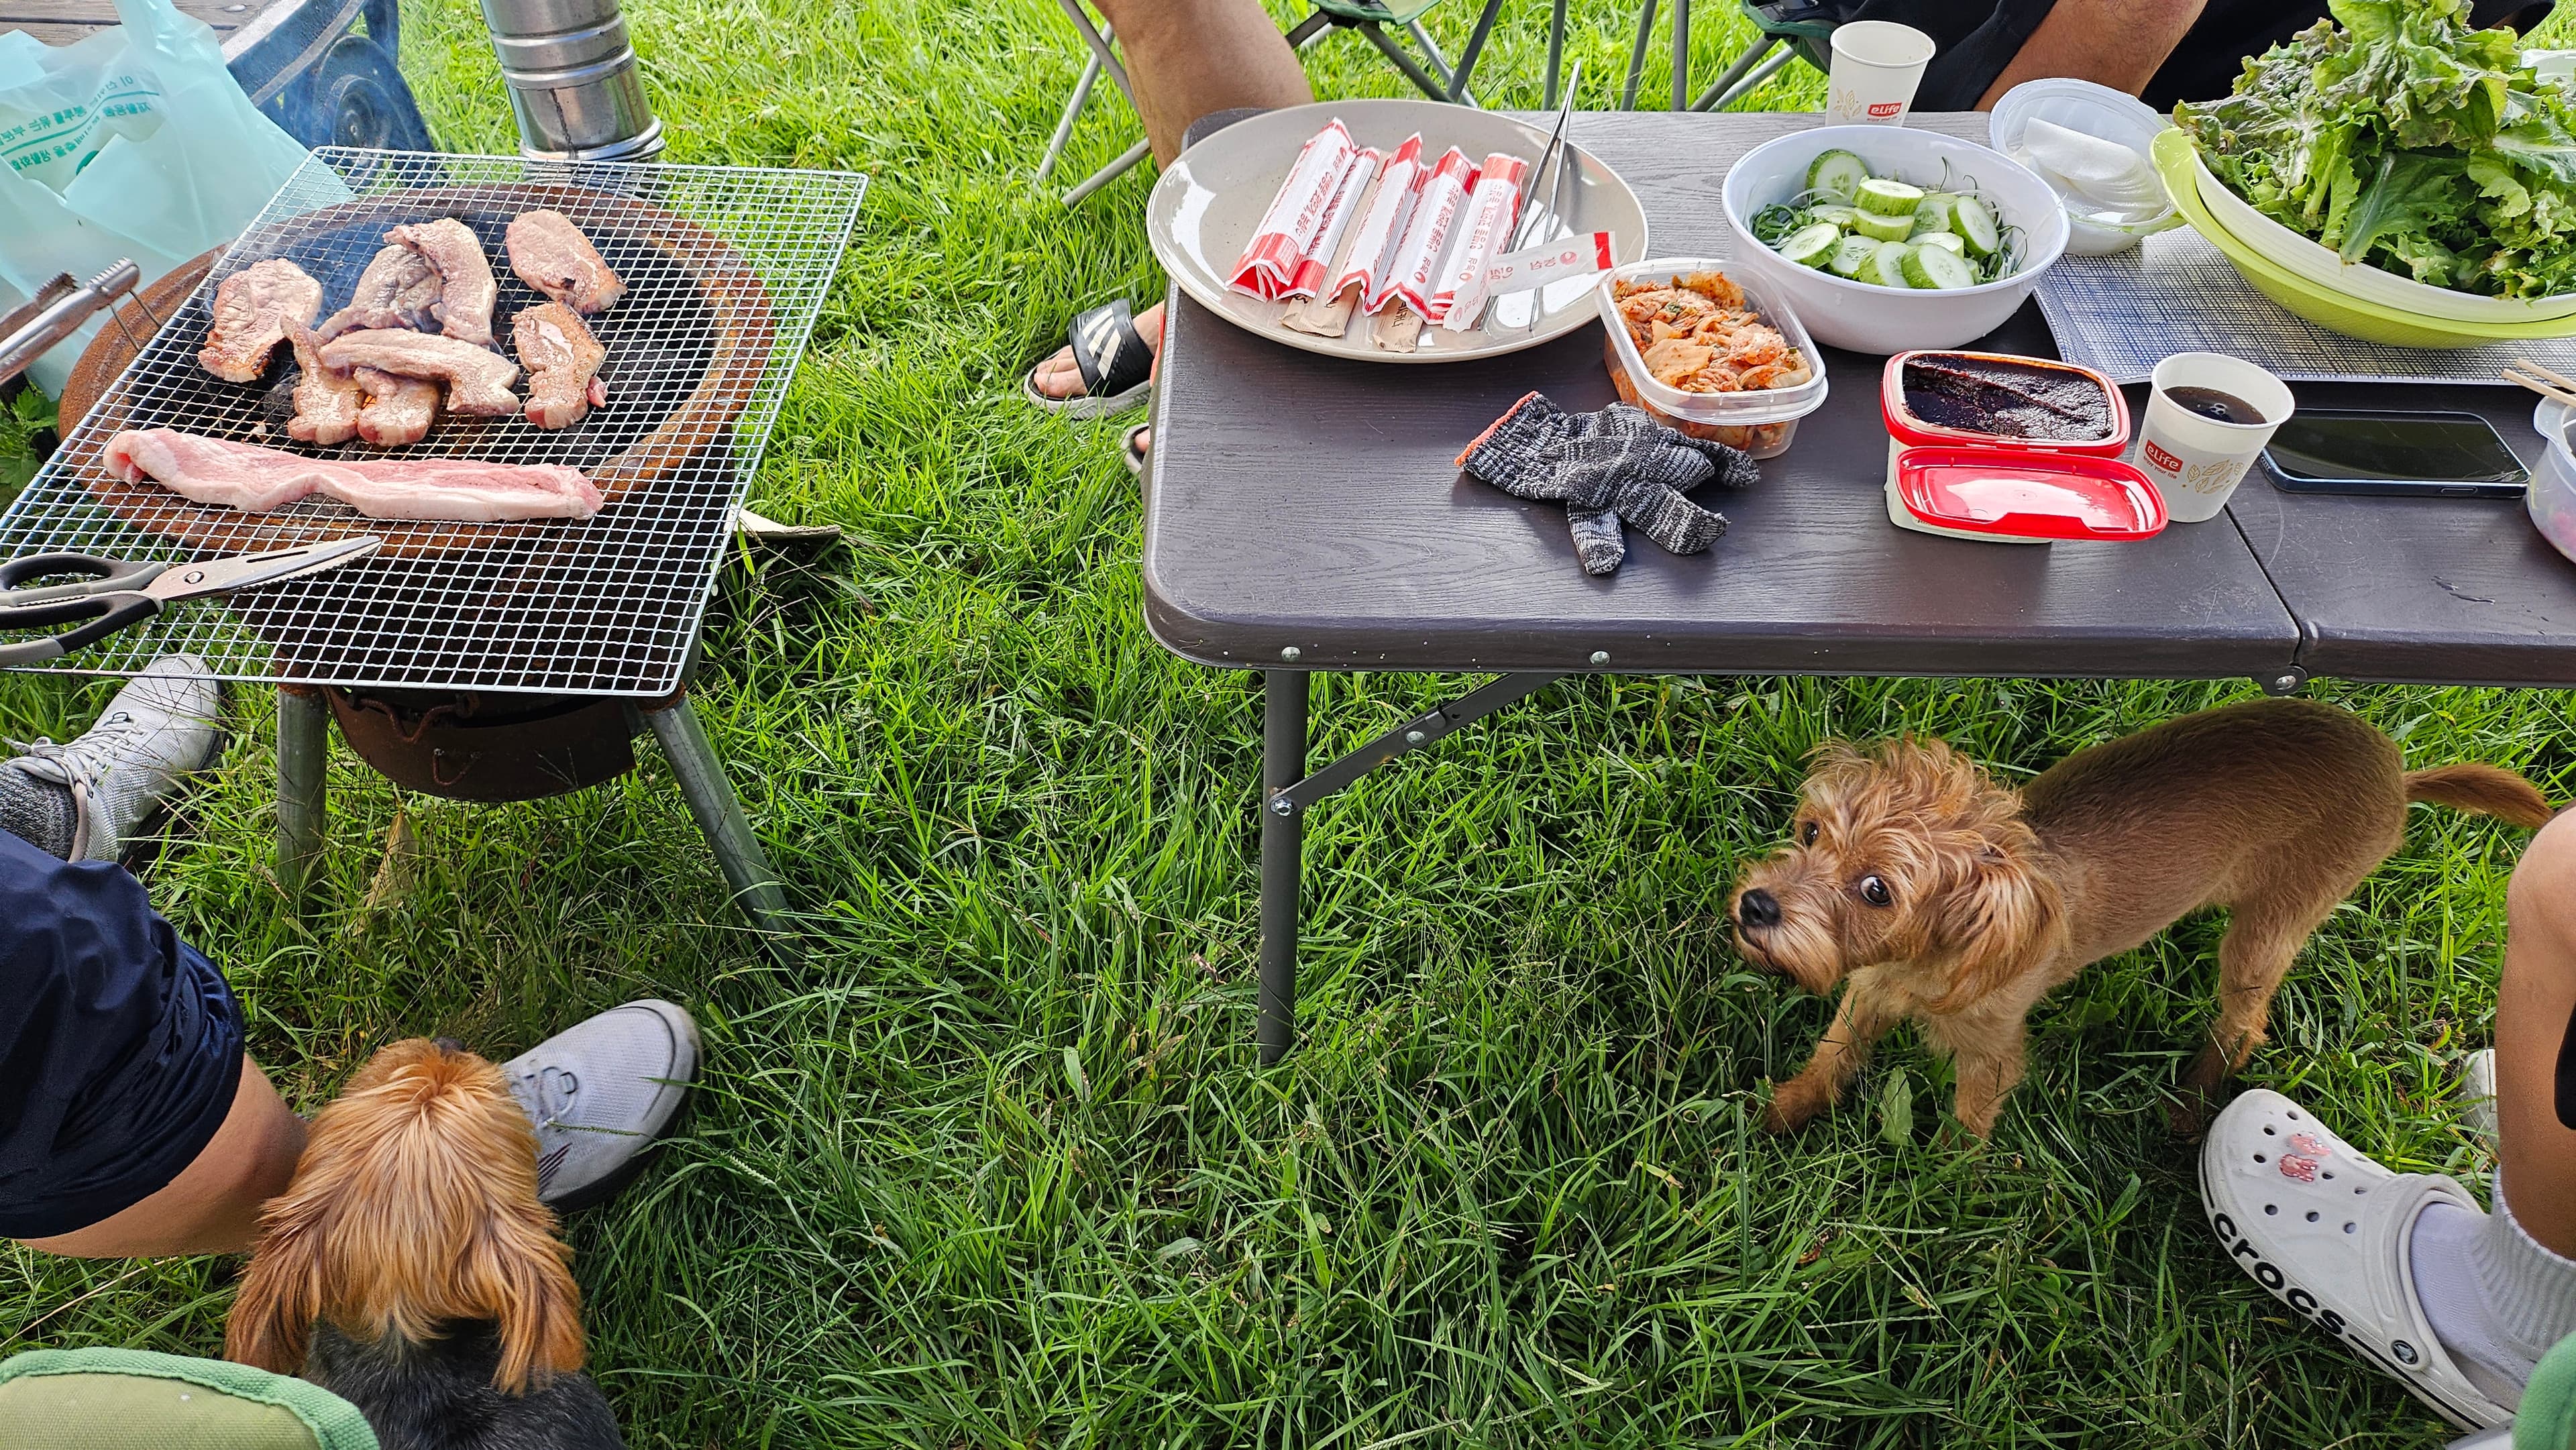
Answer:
(1888, 239)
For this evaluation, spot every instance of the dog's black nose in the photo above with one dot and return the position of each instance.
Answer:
(1757, 908)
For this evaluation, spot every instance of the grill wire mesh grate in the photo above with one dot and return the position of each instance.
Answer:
(725, 269)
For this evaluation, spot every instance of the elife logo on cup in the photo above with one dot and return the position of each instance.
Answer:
(2160, 458)
(1885, 108)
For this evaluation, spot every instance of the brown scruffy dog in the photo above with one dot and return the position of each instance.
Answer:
(1958, 903)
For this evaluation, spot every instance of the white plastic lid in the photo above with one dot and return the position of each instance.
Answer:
(2094, 110)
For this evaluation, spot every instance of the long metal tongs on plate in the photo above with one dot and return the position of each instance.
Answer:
(1547, 166)
(59, 308)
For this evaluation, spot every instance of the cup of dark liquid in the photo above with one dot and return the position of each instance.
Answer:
(2209, 417)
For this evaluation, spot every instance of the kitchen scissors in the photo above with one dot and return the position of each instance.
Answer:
(119, 592)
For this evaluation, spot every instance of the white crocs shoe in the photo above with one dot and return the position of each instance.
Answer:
(600, 1093)
(132, 761)
(2326, 1230)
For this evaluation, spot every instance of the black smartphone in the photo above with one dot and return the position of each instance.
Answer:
(2420, 455)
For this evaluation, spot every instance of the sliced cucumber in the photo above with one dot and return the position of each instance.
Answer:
(1974, 221)
(1933, 216)
(1838, 174)
(1850, 255)
(1882, 228)
(1937, 267)
(1812, 246)
(1887, 198)
(1886, 266)
(1946, 241)
(1840, 216)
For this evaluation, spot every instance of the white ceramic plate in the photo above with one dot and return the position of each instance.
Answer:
(2319, 264)
(1209, 202)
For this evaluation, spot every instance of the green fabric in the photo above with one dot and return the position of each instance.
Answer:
(1384, 12)
(132, 1399)
(2547, 1419)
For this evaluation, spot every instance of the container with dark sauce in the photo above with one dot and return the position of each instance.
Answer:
(1993, 400)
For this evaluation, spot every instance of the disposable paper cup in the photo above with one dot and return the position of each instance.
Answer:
(2197, 461)
(1877, 65)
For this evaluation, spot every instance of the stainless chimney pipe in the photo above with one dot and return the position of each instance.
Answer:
(573, 81)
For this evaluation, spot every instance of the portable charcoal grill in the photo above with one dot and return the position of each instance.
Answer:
(518, 625)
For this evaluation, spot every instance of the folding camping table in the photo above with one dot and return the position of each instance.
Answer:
(1303, 513)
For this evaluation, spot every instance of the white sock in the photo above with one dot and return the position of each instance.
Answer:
(2496, 1297)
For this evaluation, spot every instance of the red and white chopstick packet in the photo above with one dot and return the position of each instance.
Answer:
(1413, 272)
(1491, 210)
(1317, 268)
(1297, 214)
(1548, 262)
(1381, 224)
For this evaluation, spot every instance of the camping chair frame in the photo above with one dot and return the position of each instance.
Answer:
(1440, 80)
(1769, 55)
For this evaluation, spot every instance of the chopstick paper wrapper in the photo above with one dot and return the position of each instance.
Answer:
(1416, 266)
(1288, 229)
(1550, 262)
(1313, 272)
(1326, 310)
(1382, 218)
(1491, 210)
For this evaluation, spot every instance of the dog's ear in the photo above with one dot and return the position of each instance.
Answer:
(1995, 916)
(271, 1323)
(536, 1305)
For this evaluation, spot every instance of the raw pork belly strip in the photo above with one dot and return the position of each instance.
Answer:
(399, 410)
(326, 400)
(252, 308)
(563, 365)
(478, 380)
(254, 479)
(552, 255)
(398, 289)
(466, 288)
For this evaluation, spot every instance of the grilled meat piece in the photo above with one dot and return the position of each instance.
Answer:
(552, 255)
(478, 381)
(398, 289)
(252, 308)
(326, 399)
(465, 286)
(399, 410)
(562, 360)
(251, 478)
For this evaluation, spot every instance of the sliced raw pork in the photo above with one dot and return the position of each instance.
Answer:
(252, 308)
(478, 380)
(552, 255)
(253, 479)
(465, 286)
(326, 399)
(563, 361)
(399, 410)
(398, 289)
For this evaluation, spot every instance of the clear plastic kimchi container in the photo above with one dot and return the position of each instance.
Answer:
(1761, 421)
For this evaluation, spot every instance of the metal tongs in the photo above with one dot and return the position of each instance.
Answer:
(59, 308)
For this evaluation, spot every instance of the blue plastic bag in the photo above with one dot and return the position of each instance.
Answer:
(136, 142)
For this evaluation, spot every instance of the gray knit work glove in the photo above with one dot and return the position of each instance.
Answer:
(1607, 466)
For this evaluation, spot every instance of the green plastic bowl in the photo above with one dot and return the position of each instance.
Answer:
(2326, 306)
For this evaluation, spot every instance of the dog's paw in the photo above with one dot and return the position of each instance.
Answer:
(1793, 1107)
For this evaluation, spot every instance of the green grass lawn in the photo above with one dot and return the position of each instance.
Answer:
(995, 1167)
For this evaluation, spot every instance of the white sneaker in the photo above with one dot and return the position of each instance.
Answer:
(130, 763)
(2328, 1232)
(600, 1093)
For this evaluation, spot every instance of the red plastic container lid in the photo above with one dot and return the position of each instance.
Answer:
(2016, 493)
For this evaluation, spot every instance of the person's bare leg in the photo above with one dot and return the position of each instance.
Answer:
(2116, 43)
(212, 1207)
(2538, 1152)
(1186, 58)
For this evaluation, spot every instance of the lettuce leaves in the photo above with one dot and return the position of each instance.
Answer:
(2400, 137)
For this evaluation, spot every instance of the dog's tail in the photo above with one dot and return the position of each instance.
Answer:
(2489, 790)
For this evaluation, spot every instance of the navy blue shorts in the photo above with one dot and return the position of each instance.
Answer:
(120, 1045)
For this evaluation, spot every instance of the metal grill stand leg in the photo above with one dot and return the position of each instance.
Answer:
(719, 815)
(1283, 841)
(303, 756)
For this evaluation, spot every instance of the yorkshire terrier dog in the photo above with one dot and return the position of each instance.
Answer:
(410, 1269)
(1936, 895)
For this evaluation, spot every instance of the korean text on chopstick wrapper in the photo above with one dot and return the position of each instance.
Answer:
(1381, 225)
(1491, 209)
(1289, 228)
(1416, 265)
(1548, 262)
(1316, 269)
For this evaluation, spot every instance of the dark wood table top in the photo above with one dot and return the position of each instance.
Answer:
(62, 22)
(1311, 503)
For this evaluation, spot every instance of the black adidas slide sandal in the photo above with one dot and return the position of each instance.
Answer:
(1117, 367)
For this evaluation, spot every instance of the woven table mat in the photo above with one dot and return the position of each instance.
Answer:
(2175, 293)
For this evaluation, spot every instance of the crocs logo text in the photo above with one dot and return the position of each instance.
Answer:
(2303, 1170)
(2270, 1276)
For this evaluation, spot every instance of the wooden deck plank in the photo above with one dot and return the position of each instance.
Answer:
(63, 22)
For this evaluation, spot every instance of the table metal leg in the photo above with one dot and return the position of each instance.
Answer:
(1283, 838)
(719, 814)
(303, 812)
